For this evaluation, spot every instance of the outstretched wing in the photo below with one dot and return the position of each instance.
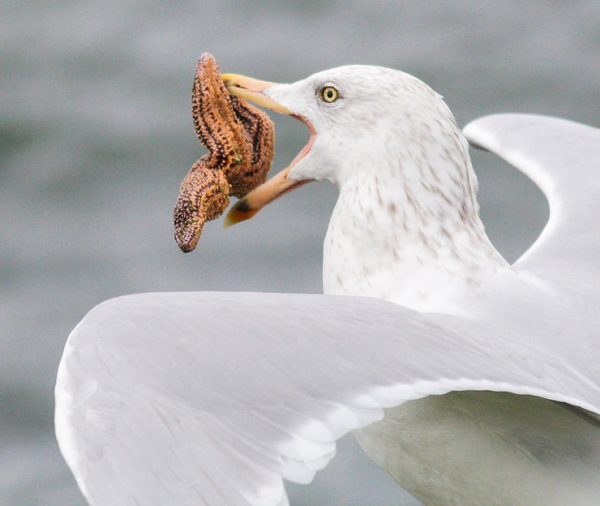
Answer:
(177, 399)
(563, 159)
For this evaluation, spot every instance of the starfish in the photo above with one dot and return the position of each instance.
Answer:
(240, 141)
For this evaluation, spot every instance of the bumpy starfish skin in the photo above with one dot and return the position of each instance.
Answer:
(260, 133)
(240, 141)
(215, 119)
(202, 197)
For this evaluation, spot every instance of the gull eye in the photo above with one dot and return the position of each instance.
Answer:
(329, 94)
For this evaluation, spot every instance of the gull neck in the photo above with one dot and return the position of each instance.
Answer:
(408, 230)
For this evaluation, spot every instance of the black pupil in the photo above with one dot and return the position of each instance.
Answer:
(329, 93)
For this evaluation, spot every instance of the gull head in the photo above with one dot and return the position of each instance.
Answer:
(360, 118)
(406, 225)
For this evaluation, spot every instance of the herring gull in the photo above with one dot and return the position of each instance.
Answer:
(469, 380)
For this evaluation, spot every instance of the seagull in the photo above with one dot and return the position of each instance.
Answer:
(469, 380)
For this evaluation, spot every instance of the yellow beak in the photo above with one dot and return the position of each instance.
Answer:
(248, 206)
(253, 90)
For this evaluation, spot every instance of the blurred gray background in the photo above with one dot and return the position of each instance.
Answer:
(96, 134)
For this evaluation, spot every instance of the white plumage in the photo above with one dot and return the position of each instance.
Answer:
(213, 398)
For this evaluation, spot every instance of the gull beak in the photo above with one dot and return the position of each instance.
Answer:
(248, 206)
(253, 90)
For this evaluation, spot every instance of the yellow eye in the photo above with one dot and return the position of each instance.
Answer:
(329, 94)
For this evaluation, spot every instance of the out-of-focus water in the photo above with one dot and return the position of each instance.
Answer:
(96, 134)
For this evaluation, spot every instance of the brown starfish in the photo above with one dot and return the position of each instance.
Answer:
(240, 141)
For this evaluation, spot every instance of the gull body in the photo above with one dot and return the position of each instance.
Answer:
(406, 228)
(471, 381)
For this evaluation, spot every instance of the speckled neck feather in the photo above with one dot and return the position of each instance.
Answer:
(407, 227)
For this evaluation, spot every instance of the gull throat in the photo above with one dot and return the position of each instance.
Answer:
(407, 228)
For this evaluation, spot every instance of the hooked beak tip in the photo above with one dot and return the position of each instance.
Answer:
(241, 211)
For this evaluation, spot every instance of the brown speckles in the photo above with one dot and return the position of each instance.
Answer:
(240, 141)
(464, 212)
(379, 198)
(433, 173)
(444, 232)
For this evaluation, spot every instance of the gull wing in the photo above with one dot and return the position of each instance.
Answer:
(563, 159)
(178, 399)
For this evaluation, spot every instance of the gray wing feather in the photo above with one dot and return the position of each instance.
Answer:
(563, 159)
(212, 398)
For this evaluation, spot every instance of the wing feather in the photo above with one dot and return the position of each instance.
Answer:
(563, 159)
(212, 398)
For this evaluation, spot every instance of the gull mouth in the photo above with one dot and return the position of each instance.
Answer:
(311, 139)
(253, 90)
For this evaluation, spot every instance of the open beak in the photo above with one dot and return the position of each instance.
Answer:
(253, 90)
